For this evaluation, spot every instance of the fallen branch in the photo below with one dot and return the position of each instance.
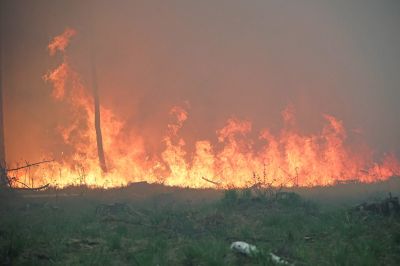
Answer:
(212, 182)
(29, 165)
(26, 187)
(31, 188)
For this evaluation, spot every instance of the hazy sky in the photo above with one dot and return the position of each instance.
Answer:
(248, 59)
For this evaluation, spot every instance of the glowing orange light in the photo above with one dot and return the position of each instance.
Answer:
(288, 158)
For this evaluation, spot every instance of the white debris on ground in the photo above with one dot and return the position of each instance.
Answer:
(278, 260)
(250, 250)
(244, 248)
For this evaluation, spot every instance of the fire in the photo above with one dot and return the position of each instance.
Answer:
(61, 42)
(287, 158)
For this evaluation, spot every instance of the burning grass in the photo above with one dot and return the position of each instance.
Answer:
(232, 159)
(157, 225)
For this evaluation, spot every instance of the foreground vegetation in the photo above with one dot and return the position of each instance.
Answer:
(94, 230)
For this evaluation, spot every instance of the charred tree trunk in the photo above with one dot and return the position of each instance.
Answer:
(97, 123)
(3, 173)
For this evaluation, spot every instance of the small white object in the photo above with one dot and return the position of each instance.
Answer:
(276, 259)
(244, 248)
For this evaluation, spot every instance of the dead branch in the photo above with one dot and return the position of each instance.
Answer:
(29, 165)
(26, 187)
(212, 182)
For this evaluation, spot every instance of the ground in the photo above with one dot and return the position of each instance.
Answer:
(155, 225)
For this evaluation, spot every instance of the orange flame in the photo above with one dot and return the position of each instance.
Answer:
(61, 42)
(288, 158)
(58, 79)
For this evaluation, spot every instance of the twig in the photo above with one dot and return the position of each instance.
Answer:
(29, 165)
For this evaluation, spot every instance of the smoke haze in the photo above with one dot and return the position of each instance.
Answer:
(248, 59)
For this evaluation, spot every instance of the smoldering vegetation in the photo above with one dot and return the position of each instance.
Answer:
(147, 224)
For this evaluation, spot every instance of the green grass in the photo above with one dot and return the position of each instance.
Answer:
(83, 231)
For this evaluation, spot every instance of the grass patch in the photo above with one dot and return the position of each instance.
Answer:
(82, 231)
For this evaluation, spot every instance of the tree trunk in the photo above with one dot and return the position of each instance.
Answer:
(3, 173)
(97, 123)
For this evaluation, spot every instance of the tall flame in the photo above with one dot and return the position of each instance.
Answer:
(287, 158)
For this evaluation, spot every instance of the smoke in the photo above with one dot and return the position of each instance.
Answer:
(221, 59)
